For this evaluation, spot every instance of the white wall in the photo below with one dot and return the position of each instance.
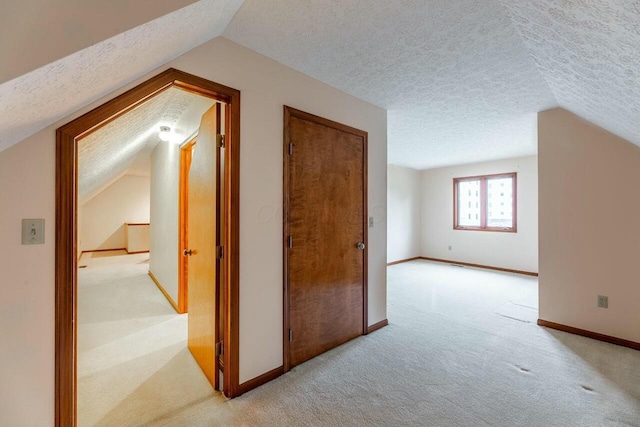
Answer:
(27, 283)
(403, 213)
(103, 217)
(266, 86)
(518, 251)
(589, 235)
(27, 189)
(165, 176)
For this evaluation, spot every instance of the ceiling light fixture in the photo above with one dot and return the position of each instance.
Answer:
(165, 133)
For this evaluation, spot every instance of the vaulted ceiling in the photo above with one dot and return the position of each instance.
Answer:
(125, 144)
(462, 80)
(37, 99)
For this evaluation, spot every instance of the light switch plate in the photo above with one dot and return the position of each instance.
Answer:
(370, 222)
(32, 231)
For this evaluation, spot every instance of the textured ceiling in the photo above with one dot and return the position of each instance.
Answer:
(589, 53)
(34, 33)
(456, 78)
(38, 99)
(462, 80)
(125, 144)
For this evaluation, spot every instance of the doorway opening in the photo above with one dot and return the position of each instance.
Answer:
(219, 129)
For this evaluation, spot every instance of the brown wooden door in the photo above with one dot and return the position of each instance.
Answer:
(325, 199)
(202, 241)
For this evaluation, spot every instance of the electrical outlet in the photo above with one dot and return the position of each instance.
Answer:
(370, 222)
(603, 301)
(449, 247)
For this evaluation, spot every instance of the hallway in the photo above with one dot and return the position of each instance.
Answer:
(133, 363)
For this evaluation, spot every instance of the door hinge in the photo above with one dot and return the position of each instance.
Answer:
(220, 348)
(290, 241)
(290, 335)
(219, 252)
(219, 141)
(290, 149)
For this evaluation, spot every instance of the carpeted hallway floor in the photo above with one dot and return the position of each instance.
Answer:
(462, 349)
(133, 361)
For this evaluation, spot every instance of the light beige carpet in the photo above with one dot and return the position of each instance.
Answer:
(462, 349)
(133, 363)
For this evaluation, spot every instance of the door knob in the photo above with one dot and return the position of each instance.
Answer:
(360, 246)
(187, 252)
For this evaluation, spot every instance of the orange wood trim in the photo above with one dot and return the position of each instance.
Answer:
(164, 292)
(493, 230)
(483, 202)
(260, 380)
(133, 224)
(186, 153)
(593, 335)
(402, 261)
(286, 200)
(219, 330)
(67, 138)
(231, 289)
(381, 324)
(287, 114)
(324, 122)
(66, 265)
(365, 229)
(116, 249)
(103, 250)
(495, 175)
(488, 267)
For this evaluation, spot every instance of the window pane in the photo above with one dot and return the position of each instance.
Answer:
(469, 203)
(500, 202)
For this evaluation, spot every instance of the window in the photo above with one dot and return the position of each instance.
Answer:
(485, 203)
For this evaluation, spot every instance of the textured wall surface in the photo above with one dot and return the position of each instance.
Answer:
(113, 148)
(37, 99)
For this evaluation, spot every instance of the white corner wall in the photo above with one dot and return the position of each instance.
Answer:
(165, 181)
(27, 189)
(403, 213)
(517, 251)
(589, 238)
(103, 216)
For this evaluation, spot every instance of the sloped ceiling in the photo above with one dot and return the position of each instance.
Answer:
(455, 76)
(127, 142)
(462, 80)
(37, 32)
(589, 53)
(39, 98)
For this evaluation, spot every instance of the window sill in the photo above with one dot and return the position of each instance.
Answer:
(496, 230)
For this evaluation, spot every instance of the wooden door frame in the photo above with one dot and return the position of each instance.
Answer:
(290, 112)
(67, 138)
(186, 151)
